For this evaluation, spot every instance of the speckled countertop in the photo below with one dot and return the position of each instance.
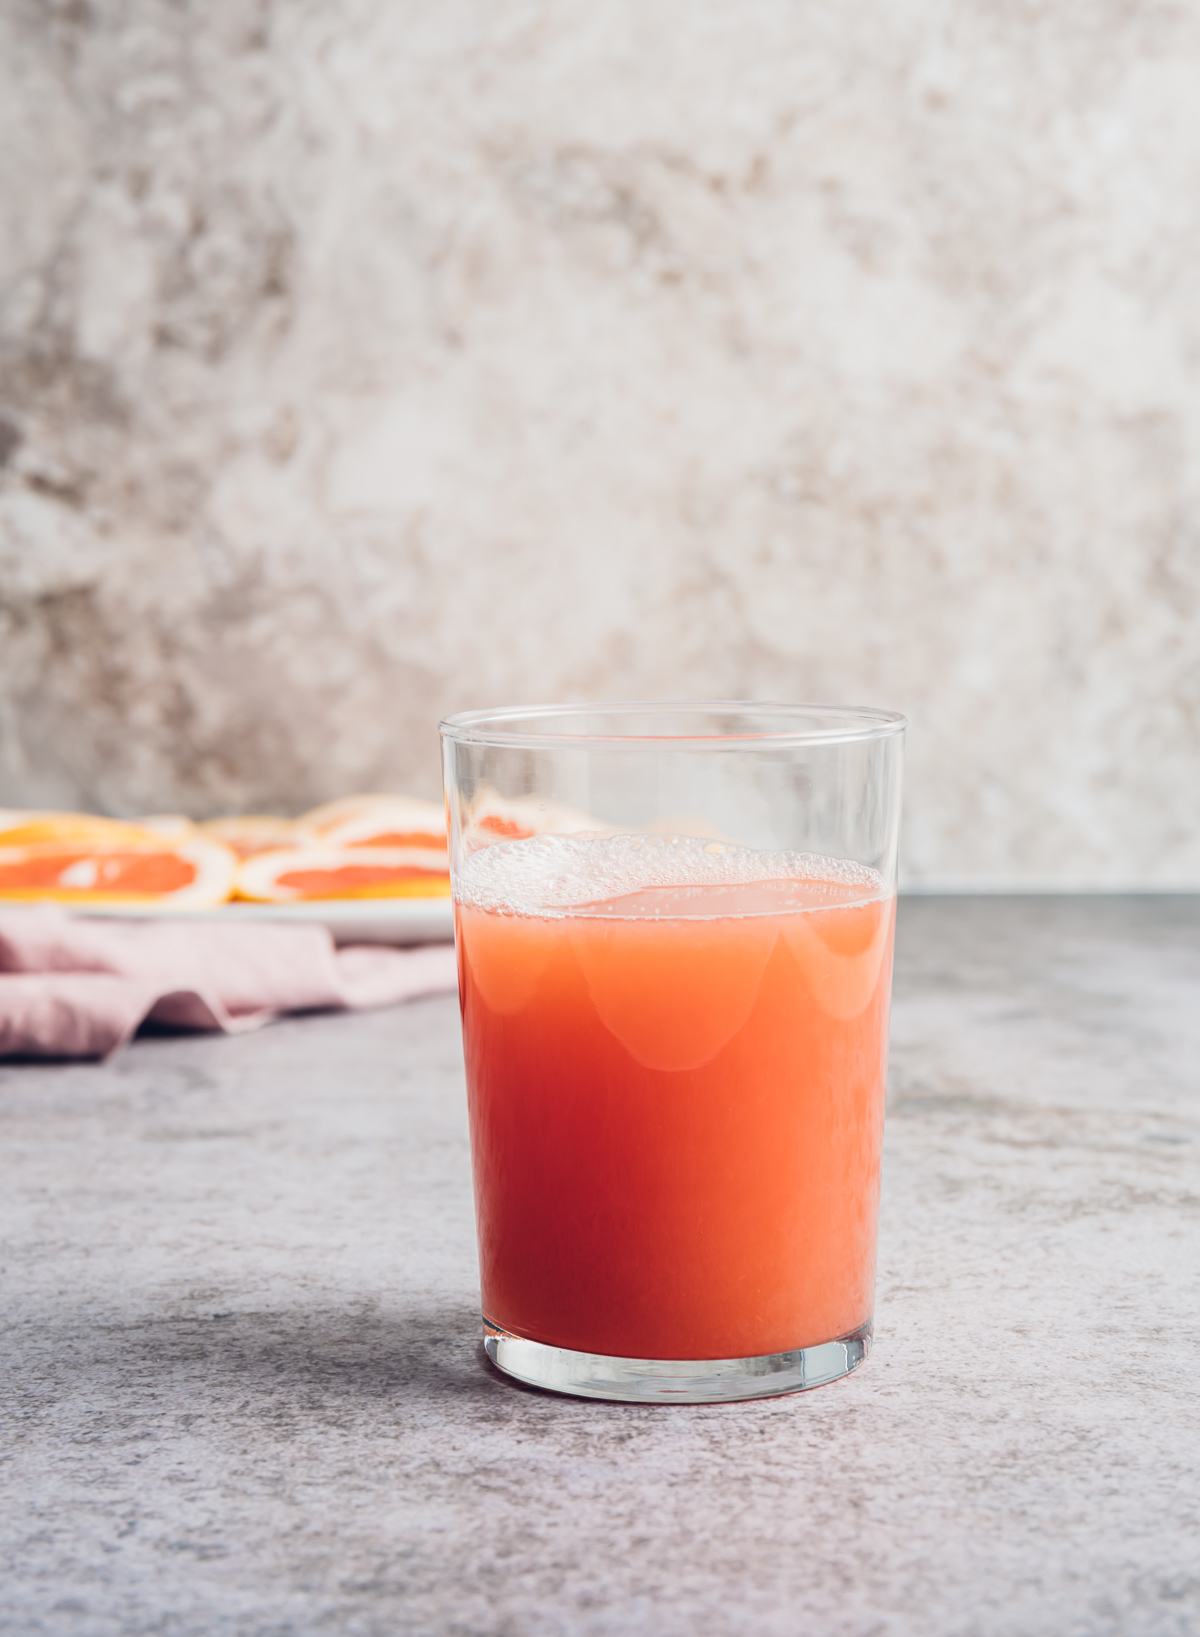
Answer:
(243, 1391)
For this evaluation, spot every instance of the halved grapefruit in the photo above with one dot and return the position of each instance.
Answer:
(29, 827)
(492, 817)
(250, 833)
(298, 874)
(379, 821)
(172, 825)
(138, 868)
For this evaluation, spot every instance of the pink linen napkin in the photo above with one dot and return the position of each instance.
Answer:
(79, 988)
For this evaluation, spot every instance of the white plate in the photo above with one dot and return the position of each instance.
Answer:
(351, 920)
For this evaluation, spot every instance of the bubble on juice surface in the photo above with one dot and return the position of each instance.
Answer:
(551, 876)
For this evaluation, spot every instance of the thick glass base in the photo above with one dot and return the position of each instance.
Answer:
(673, 1381)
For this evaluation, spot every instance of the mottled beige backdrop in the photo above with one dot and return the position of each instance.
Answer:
(368, 359)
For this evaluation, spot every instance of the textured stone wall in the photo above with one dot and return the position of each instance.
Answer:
(366, 359)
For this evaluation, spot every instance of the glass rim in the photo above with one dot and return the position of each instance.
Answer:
(852, 723)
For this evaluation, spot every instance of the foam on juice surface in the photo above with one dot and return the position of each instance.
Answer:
(639, 876)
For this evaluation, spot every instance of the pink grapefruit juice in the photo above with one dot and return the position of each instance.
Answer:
(676, 1094)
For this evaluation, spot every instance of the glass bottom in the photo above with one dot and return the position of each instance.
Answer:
(673, 1381)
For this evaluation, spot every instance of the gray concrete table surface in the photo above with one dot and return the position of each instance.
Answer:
(244, 1392)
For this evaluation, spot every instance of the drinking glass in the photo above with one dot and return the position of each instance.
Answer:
(674, 927)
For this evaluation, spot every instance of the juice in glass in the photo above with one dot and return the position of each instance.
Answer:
(676, 1055)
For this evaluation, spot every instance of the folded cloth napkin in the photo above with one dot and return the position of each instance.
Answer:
(79, 988)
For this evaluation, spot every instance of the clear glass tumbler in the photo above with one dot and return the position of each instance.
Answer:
(674, 928)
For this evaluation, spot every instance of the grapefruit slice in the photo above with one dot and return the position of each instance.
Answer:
(380, 821)
(299, 874)
(492, 817)
(28, 827)
(142, 868)
(174, 826)
(250, 833)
